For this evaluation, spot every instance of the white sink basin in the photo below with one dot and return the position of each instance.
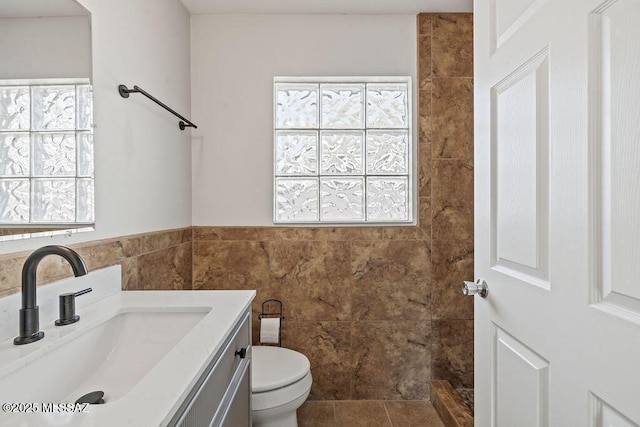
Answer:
(111, 357)
(144, 349)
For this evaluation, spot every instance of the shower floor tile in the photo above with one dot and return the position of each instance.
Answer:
(353, 413)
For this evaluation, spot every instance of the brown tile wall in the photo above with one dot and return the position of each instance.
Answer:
(356, 300)
(158, 260)
(447, 80)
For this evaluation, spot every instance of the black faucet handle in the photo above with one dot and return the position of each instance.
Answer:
(82, 292)
(68, 307)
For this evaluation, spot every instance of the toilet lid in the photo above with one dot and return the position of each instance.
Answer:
(276, 367)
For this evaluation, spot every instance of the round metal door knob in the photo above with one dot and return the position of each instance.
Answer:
(479, 287)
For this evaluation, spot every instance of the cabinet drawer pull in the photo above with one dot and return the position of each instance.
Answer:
(242, 353)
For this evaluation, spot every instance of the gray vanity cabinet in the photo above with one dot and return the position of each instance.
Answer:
(222, 395)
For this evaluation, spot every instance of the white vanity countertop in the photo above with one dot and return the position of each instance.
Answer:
(158, 394)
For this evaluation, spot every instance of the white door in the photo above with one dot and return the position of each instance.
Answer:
(557, 216)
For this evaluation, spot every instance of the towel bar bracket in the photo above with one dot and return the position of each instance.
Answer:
(124, 91)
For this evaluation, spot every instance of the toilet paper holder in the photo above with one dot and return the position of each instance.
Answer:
(277, 313)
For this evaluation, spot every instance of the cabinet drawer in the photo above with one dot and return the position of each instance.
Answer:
(237, 403)
(204, 401)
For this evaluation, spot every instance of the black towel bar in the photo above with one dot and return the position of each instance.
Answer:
(124, 92)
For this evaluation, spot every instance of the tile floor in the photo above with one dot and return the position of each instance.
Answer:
(353, 413)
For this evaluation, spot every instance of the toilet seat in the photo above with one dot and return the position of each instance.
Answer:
(279, 376)
(276, 367)
(273, 399)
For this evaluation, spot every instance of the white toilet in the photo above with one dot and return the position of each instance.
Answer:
(280, 383)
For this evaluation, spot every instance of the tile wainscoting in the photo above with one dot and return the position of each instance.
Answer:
(158, 260)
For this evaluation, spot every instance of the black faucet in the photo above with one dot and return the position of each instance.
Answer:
(29, 318)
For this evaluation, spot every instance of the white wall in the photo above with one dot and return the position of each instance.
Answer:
(40, 48)
(233, 61)
(142, 159)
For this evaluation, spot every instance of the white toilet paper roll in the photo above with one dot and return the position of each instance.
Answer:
(269, 330)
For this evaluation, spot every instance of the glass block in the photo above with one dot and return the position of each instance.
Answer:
(14, 154)
(342, 199)
(296, 153)
(54, 200)
(387, 152)
(86, 207)
(342, 106)
(54, 107)
(387, 106)
(15, 110)
(85, 107)
(85, 154)
(296, 200)
(296, 105)
(14, 200)
(387, 199)
(342, 152)
(54, 154)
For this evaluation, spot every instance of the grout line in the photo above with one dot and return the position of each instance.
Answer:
(386, 411)
(335, 414)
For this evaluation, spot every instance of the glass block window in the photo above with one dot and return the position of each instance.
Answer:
(46, 154)
(342, 150)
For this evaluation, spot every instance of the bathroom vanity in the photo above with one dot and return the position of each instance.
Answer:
(226, 381)
(162, 358)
